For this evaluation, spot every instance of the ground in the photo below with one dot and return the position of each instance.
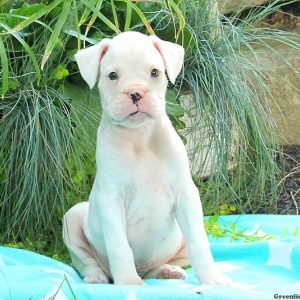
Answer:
(285, 19)
(289, 202)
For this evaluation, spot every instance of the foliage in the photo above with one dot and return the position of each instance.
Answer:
(227, 80)
(45, 146)
(37, 137)
(46, 246)
(216, 230)
(48, 118)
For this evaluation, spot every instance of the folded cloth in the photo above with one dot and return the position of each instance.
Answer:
(261, 269)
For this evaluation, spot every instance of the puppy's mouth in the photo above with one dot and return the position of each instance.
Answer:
(138, 112)
(134, 113)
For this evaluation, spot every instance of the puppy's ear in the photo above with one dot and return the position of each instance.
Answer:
(172, 55)
(88, 61)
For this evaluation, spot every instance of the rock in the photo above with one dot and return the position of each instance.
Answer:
(201, 162)
(228, 6)
(283, 73)
(283, 82)
(231, 5)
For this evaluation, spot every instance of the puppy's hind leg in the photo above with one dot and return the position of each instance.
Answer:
(82, 255)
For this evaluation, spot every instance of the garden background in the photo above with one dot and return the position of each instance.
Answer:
(235, 105)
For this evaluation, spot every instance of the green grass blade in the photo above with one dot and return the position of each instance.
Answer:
(4, 63)
(141, 15)
(27, 49)
(77, 24)
(113, 8)
(106, 21)
(37, 15)
(56, 32)
(93, 18)
(70, 287)
(128, 16)
(143, 19)
(86, 13)
(180, 17)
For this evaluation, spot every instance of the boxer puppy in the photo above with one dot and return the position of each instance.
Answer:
(144, 217)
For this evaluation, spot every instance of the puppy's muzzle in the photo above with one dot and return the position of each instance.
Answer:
(136, 95)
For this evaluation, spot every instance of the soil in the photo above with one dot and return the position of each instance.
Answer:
(287, 18)
(289, 202)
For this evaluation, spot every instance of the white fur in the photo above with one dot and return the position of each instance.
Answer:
(88, 61)
(143, 203)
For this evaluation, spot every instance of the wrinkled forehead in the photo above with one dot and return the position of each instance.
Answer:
(131, 51)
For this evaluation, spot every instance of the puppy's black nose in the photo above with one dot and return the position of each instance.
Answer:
(136, 94)
(135, 97)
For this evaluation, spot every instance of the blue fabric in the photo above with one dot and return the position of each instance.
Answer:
(260, 269)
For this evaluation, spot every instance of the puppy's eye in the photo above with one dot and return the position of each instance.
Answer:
(113, 76)
(154, 73)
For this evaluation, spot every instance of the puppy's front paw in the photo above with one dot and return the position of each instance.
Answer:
(216, 277)
(95, 275)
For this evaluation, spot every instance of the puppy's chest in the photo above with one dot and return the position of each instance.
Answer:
(150, 198)
(150, 189)
(149, 169)
(149, 214)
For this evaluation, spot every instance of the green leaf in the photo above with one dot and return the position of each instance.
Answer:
(177, 123)
(98, 36)
(8, 22)
(224, 206)
(232, 208)
(4, 64)
(296, 231)
(16, 16)
(61, 72)
(175, 110)
(70, 54)
(27, 9)
(37, 15)
(56, 32)
(13, 84)
(174, 107)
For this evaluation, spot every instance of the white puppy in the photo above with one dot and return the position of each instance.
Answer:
(144, 208)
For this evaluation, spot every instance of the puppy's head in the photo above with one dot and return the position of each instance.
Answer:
(132, 78)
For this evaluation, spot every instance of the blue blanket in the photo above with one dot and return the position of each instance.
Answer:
(265, 269)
